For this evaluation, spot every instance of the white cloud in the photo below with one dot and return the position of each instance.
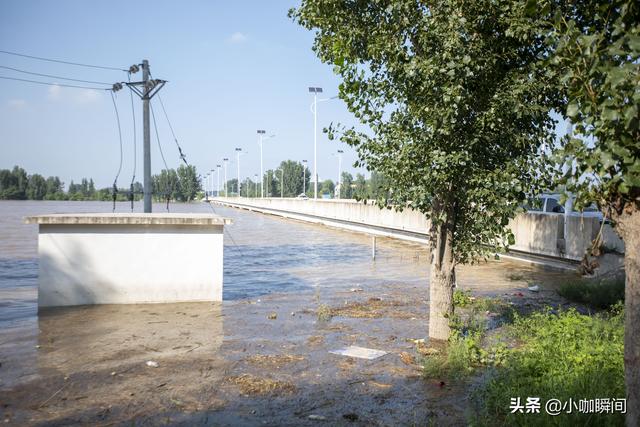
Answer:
(16, 104)
(238, 37)
(73, 95)
(86, 96)
(54, 91)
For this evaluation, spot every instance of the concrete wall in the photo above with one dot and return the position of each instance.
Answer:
(122, 264)
(343, 210)
(535, 233)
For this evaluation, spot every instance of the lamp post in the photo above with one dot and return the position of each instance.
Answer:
(238, 153)
(226, 192)
(218, 186)
(255, 186)
(261, 139)
(304, 177)
(339, 154)
(282, 183)
(314, 110)
(211, 182)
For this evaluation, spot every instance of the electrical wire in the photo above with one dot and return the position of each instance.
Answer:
(115, 181)
(182, 155)
(61, 62)
(133, 115)
(54, 77)
(52, 84)
(115, 108)
(166, 190)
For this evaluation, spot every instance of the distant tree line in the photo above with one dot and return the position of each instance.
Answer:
(293, 173)
(16, 184)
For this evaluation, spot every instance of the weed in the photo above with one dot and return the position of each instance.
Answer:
(562, 356)
(462, 298)
(599, 294)
(324, 313)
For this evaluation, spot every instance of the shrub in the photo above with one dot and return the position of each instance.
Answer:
(599, 294)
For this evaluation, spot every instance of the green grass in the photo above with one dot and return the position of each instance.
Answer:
(562, 356)
(551, 355)
(598, 294)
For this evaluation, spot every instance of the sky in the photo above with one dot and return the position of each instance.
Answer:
(232, 67)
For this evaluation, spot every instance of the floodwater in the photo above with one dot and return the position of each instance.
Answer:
(261, 357)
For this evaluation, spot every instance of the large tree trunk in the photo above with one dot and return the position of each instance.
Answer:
(628, 226)
(442, 279)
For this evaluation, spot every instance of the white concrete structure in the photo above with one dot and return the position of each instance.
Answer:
(129, 258)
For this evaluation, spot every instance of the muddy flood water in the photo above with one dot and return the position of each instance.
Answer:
(259, 358)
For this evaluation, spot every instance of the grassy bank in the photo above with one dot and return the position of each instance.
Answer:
(548, 354)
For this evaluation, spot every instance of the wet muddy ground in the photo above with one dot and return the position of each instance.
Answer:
(262, 361)
(293, 293)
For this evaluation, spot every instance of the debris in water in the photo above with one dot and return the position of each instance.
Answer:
(356, 289)
(359, 352)
(272, 316)
(407, 359)
(152, 364)
(317, 417)
(534, 288)
(350, 417)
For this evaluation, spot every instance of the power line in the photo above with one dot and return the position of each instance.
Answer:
(182, 155)
(54, 77)
(61, 62)
(52, 84)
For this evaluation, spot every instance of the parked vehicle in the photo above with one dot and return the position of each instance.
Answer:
(302, 196)
(550, 203)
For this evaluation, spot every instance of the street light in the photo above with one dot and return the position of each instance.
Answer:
(211, 182)
(238, 153)
(255, 186)
(314, 110)
(282, 183)
(226, 192)
(218, 186)
(261, 139)
(304, 177)
(339, 154)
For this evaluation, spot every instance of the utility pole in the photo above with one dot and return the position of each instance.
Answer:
(149, 88)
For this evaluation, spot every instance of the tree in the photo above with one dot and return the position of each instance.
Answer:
(378, 186)
(37, 188)
(189, 183)
(327, 187)
(165, 185)
(293, 176)
(271, 188)
(457, 113)
(596, 58)
(346, 190)
(360, 191)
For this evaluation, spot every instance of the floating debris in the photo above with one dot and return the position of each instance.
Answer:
(534, 288)
(359, 352)
(152, 364)
(317, 417)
